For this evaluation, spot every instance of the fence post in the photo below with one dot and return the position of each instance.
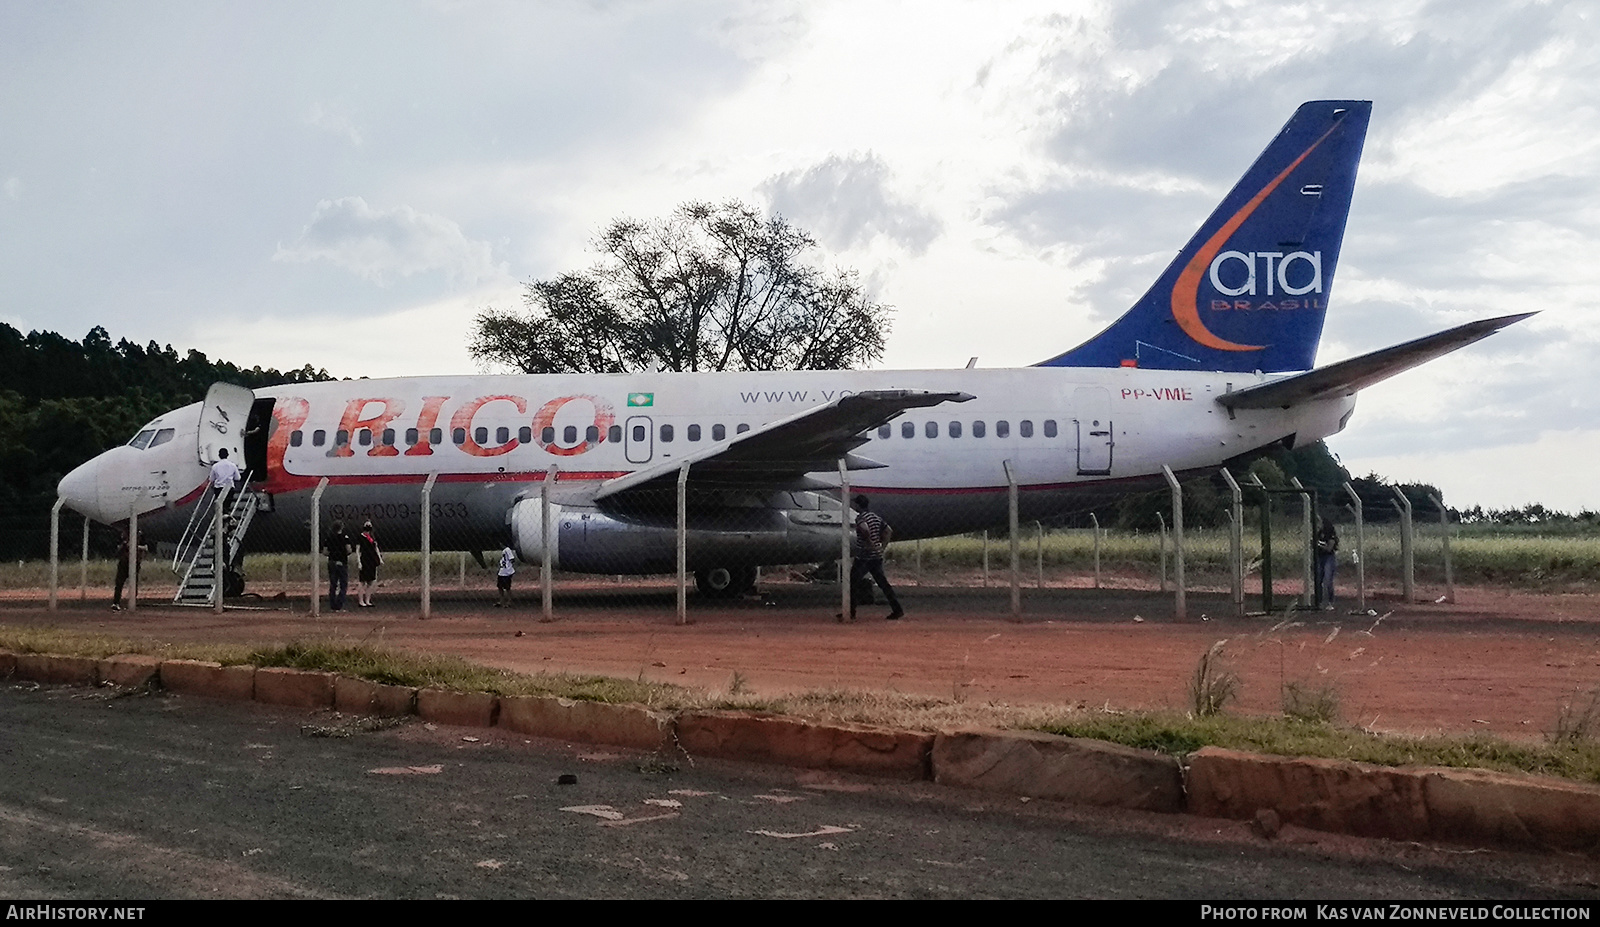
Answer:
(55, 549)
(1236, 541)
(1016, 542)
(462, 563)
(83, 565)
(133, 562)
(1038, 555)
(919, 562)
(682, 544)
(316, 546)
(986, 558)
(1177, 538)
(1407, 564)
(1444, 534)
(1163, 520)
(427, 545)
(547, 607)
(1094, 522)
(219, 547)
(846, 596)
(1308, 582)
(1361, 549)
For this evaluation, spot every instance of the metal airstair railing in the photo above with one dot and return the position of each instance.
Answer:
(201, 574)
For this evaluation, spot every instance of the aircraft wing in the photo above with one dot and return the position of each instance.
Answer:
(1346, 377)
(782, 452)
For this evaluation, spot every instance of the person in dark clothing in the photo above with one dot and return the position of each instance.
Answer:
(871, 540)
(371, 558)
(337, 546)
(122, 569)
(1327, 545)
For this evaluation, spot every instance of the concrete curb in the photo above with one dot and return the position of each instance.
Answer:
(1069, 769)
(1457, 805)
(623, 725)
(769, 738)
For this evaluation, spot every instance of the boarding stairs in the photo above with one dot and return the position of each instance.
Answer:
(196, 550)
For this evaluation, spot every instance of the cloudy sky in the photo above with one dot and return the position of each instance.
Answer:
(348, 184)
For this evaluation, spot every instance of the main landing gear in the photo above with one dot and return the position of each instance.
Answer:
(725, 582)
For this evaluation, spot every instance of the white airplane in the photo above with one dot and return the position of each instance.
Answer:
(1212, 365)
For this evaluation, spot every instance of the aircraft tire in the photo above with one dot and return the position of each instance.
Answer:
(724, 582)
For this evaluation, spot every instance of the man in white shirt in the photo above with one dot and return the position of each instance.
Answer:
(508, 568)
(224, 474)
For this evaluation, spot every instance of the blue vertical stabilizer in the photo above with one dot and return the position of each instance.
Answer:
(1250, 289)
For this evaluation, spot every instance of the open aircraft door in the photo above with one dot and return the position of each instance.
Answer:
(1091, 411)
(223, 418)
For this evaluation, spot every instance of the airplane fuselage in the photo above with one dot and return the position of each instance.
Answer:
(492, 439)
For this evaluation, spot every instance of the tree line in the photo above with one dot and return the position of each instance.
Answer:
(64, 401)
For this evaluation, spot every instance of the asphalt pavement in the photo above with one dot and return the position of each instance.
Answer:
(109, 795)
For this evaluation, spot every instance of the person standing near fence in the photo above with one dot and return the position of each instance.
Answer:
(871, 540)
(337, 546)
(508, 569)
(371, 558)
(122, 568)
(1327, 545)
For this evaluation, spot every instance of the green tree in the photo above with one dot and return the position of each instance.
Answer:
(710, 287)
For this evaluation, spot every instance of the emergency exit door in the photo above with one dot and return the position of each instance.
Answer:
(1091, 408)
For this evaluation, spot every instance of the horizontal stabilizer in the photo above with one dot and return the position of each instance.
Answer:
(1346, 377)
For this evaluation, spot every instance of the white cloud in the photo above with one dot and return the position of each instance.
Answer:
(13, 187)
(333, 121)
(845, 201)
(381, 244)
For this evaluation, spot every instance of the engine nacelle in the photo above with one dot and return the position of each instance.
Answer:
(528, 527)
(588, 540)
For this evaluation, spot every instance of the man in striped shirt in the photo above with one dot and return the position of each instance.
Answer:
(872, 538)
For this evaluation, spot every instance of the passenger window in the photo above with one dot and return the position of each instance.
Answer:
(742, 429)
(955, 429)
(1025, 427)
(931, 429)
(524, 434)
(666, 433)
(365, 437)
(480, 435)
(295, 438)
(341, 438)
(502, 435)
(319, 438)
(142, 439)
(977, 429)
(638, 432)
(547, 435)
(718, 432)
(884, 431)
(908, 430)
(614, 433)
(591, 434)
(436, 436)
(411, 437)
(1002, 429)
(388, 437)
(569, 434)
(458, 436)
(1049, 428)
(694, 432)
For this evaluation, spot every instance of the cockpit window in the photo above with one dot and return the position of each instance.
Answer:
(142, 439)
(163, 436)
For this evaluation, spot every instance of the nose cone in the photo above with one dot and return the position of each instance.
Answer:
(81, 489)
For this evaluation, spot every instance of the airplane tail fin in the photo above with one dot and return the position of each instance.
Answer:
(1250, 290)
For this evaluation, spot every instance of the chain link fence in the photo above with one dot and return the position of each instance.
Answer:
(1067, 549)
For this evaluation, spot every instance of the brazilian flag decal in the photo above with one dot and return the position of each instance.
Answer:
(641, 399)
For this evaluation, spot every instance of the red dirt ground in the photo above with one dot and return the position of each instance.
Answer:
(1497, 660)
